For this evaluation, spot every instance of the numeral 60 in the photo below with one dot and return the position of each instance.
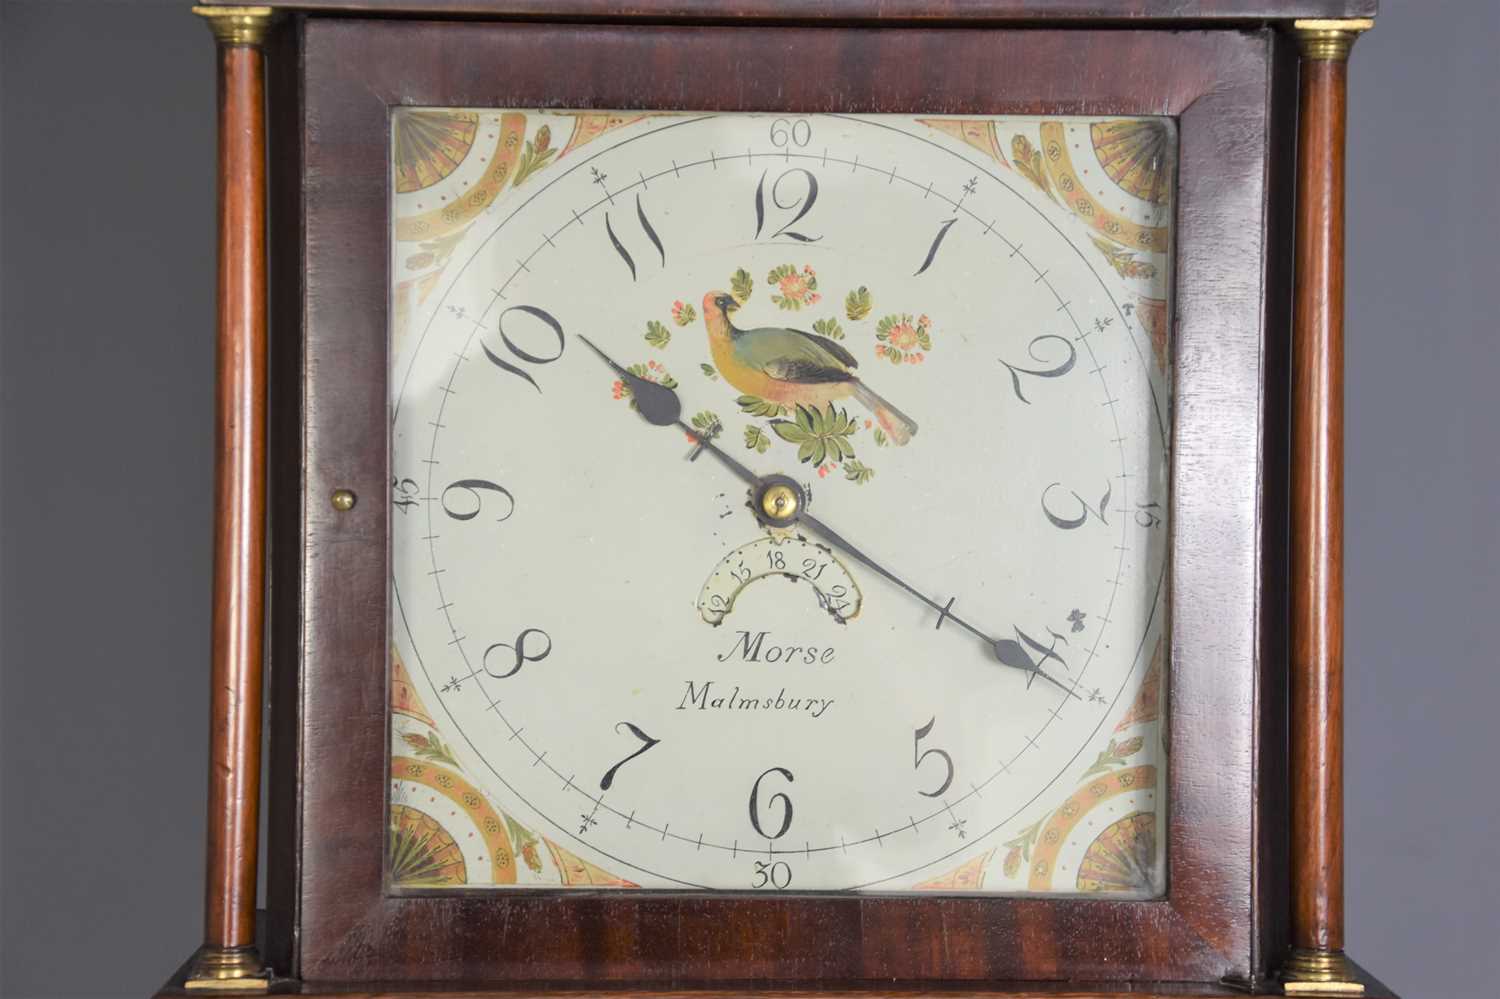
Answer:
(798, 132)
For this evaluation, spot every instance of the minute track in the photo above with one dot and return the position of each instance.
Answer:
(521, 282)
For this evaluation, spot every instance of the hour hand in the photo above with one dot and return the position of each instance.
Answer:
(657, 403)
(661, 407)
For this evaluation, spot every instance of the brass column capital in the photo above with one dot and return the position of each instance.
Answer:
(237, 25)
(1329, 40)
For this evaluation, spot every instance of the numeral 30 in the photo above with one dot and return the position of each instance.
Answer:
(777, 874)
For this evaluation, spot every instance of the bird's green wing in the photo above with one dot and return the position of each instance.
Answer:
(794, 356)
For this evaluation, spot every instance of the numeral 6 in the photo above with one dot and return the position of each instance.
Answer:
(786, 804)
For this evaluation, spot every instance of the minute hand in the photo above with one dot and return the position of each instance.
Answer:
(659, 406)
(1009, 652)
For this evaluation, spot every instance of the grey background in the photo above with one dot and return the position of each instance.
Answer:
(106, 244)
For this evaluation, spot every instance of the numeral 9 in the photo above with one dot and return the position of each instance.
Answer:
(472, 487)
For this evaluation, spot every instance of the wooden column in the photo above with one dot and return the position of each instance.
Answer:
(228, 959)
(1317, 964)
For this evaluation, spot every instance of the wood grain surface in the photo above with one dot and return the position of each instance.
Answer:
(971, 13)
(1317, 567)
(239, 504)
(286, 498)
(1374, 989)
(1273, 884)
(334, 920)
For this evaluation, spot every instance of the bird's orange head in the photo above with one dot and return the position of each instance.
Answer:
(717, 305)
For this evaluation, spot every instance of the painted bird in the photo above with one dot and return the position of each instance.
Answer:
(789, 366)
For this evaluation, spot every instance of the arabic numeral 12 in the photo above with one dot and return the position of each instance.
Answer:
(801, 191)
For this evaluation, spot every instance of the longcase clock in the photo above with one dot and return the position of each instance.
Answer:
(779, 497)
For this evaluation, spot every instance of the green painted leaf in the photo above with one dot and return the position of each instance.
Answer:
(820, 434)
(857, 304)
(756, 439)
(709, 372)
(526, 841)
(657, 335)
(829, 328)
(813, 451)
(754, 405)
(683, 314)
(707, 423)
(790, 432)
(1027, 838)
(881, 440)
(534, 156)
(741, 284)
(858, 472)
(430, 747)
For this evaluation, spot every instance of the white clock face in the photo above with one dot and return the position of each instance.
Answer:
(904, 331)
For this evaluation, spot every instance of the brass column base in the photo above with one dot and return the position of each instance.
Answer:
(1319, 973)
(227, 969)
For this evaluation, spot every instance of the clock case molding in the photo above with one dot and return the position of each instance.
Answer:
(1254, 900)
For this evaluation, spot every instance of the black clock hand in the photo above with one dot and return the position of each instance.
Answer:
(750, 478)
(1010, 652)
(661, 407)
(657, 403)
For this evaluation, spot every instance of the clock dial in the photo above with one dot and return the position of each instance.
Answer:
(779, 502)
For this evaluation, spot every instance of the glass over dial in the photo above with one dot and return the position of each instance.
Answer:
(779, 502)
